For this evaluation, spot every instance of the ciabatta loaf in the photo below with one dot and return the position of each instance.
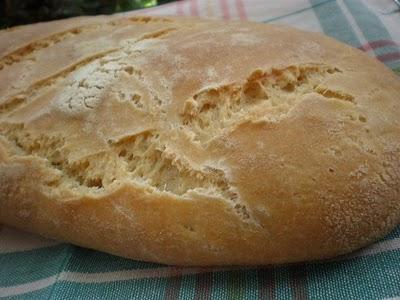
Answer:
(194, 142)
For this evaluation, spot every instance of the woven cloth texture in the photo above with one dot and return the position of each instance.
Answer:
(32, 267)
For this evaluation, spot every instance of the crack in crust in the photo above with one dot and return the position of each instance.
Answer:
(16, 101)
(156, 34)
(26, 51)
(147, 160)
(213, 111)
(140, 157)
(51, 148)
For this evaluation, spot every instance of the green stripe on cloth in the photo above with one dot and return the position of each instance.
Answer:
(62, 266)
(188, 288)
(282, 278)
(250, 278)
(292, 280)
(236, 286)
(233, 285)
(372, 277)
(220, 285)
(372, 28)
(22, 267)
(141, 289)
(395, 232)
(334, 23)
(370, 25)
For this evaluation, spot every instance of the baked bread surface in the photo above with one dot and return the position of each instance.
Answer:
(194, 142)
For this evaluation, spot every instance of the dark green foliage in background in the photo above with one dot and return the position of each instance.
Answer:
(17, 12)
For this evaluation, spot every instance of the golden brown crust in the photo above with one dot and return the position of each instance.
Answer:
(196, 142)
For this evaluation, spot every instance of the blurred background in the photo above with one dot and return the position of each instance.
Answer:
(18, 12)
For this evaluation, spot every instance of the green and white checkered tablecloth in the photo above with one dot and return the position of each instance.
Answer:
(35, 268)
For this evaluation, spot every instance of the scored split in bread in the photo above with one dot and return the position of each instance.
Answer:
(196, 142)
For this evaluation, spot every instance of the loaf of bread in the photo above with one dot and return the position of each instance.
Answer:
(195, 142)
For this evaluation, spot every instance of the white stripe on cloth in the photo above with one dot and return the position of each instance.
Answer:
(27, 287)
(388, 12)
(352, 22)
(76, 277)
(302, 17)
(13, 240)
(163, 272)
(260, 11)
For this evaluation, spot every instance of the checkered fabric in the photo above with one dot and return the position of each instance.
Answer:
(32, 267)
